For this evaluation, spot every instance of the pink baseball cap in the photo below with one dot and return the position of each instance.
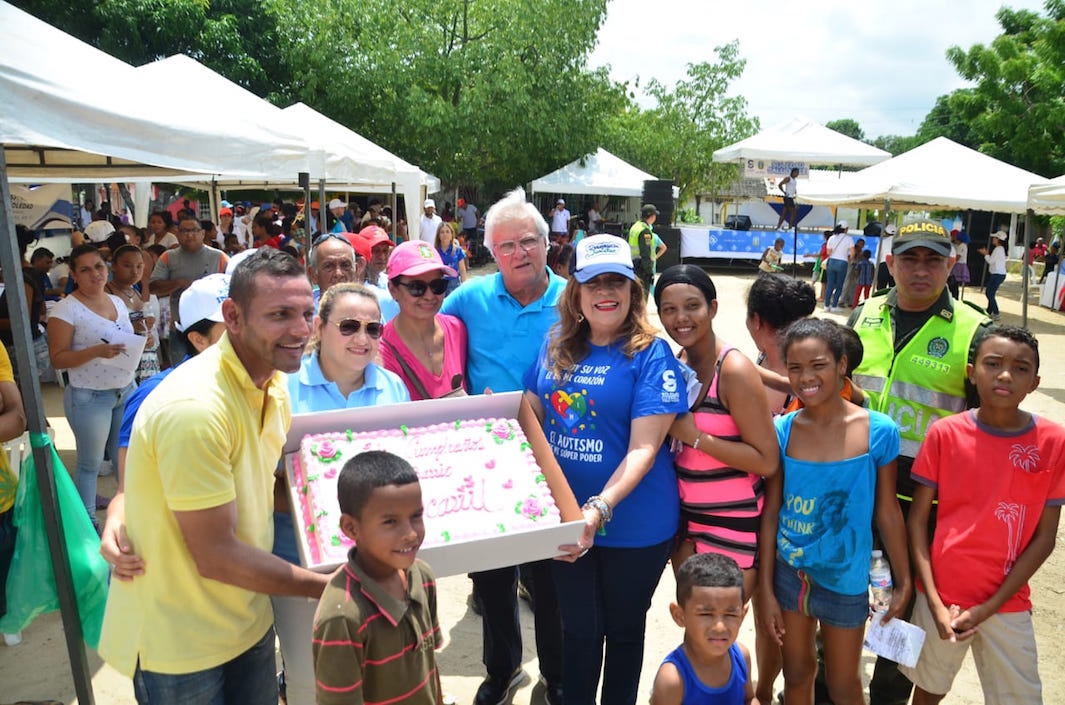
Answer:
(416, 257)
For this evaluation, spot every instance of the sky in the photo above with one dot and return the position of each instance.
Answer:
(882, 63)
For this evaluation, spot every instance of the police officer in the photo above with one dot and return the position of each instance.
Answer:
(917, 341)
(642, 242)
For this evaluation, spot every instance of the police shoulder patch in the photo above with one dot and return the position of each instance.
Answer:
(938, 347)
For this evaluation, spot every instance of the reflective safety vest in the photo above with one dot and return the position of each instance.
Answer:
(926, 379)
(635, 233)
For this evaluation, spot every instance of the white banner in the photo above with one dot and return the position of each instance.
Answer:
(44, 207)
(762, 168)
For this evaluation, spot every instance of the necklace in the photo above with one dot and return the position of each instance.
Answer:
(128, 293)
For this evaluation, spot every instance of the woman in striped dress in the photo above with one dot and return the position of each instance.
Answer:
(727, 445)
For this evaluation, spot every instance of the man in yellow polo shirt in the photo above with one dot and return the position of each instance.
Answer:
(197, 626)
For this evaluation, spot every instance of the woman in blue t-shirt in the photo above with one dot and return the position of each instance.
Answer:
(606, 390)
(838, 474)
(452, 255)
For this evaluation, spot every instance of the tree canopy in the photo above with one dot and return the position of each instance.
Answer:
(847, 126)
(1016, 109)
(676, 138)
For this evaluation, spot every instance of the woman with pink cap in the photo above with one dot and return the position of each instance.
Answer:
(426, 348)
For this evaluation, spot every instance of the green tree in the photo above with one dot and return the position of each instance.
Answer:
(1016, 110)
(233, 37)
(895, 144)
(847, 126)
(677, 137)
(945, 119)
(493, 92)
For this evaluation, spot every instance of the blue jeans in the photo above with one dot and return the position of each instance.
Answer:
(604, 597)
(248, 679)
(95, 416)
(835, 273)
(993, 283)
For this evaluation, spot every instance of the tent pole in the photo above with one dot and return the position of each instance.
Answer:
(1025, 275)
(42, 456)
(322, 207)
(394, 204)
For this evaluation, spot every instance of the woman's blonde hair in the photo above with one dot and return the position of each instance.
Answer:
(569, 337)
(328, 302)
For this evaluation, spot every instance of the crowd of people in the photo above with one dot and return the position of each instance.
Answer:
(765, 482)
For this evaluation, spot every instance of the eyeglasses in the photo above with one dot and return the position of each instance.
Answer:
(350, 326)
(417, 287)
(527, 243)
(189, 231)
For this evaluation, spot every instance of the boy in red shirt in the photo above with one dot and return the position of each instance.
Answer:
(999, 475)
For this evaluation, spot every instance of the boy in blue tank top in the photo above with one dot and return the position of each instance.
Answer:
(710, 666)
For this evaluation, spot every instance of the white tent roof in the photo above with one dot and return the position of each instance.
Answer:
(56, 127)
(801, 139)
(602, 174)
(1048, 198)
(939, 174)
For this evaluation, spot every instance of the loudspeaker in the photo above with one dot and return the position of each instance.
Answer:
(659, 193)
(671, 238)
(738, 222)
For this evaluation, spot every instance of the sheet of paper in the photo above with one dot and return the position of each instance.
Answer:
(897, 640)
(131, 357)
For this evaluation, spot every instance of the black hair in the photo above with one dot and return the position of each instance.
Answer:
(156, 249)
(364, 473)
(123, 250)
(165, 215)
(41, 253)
(711, 570)
(780, 300)
(82, 249)
(1014, 333)
(819, 328)
(686, 274)
(266, 221)
(852, 344)
(265, 260)
(203, 327)
(25, 238)
(867, 254)
(115, 240)
(560, 255)
(188, 215)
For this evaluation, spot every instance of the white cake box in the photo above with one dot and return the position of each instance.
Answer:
(460, 556)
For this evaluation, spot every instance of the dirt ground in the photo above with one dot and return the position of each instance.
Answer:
(38, 669)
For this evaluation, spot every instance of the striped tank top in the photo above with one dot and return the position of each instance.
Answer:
(720, 506)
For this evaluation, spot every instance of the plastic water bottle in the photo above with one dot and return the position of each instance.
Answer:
(880, 582)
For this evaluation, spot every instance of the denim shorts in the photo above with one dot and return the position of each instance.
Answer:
(797, 592)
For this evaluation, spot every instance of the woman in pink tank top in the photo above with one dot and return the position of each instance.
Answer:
(729, 446)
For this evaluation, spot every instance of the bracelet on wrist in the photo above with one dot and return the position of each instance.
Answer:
(695, 443)
(600, 505)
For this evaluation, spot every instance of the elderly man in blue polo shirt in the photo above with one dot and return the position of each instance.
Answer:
(518, 304)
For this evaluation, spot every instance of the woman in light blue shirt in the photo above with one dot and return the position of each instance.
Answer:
(337, 373)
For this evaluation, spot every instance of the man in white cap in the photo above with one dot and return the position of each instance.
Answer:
(430, 222)
(337, 209)
(559, 221)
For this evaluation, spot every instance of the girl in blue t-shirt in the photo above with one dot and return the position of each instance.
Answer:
(452, 254)
(838, 473)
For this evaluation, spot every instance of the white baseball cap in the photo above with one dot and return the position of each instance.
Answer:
(602, 254)
(98, 231)
(429, 203)
(336, 203)
(239, 257)
(202, 301)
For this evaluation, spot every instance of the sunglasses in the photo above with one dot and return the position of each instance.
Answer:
(326, 236)
(416, 288)
(349, 327)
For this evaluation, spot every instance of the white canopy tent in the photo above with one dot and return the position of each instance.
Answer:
(1048, 198)
(599, 174)
(938, 174)
(56, 128)
(350, 162)
(801, 139)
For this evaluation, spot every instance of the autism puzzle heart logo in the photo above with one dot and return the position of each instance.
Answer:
(570, 407)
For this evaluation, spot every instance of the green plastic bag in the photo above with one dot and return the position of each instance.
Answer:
(31, 582)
